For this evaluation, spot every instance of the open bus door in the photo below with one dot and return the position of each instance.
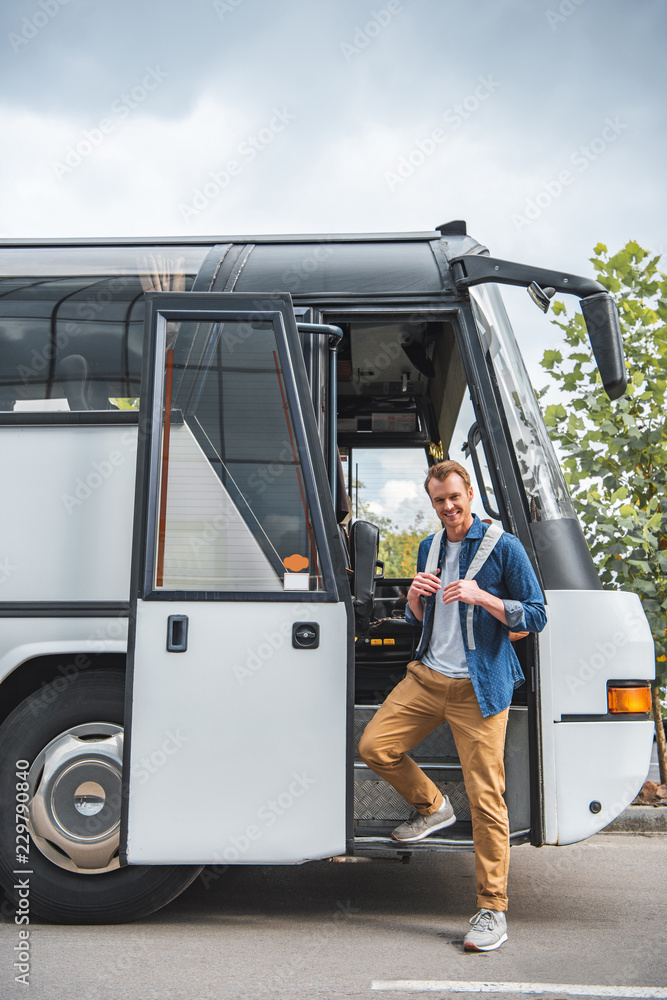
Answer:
(238, 651)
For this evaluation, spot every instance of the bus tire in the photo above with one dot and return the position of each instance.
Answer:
(60, 726)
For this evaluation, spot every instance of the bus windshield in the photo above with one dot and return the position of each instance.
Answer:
(546, 492)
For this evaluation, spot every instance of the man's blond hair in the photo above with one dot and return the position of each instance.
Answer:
(444, 469)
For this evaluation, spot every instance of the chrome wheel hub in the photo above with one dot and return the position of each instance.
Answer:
(75, 789)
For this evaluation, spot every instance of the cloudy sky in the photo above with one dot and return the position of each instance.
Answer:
(540, 122)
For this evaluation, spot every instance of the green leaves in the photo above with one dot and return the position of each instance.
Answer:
(614, 454)
(551, 358)
(553, 414)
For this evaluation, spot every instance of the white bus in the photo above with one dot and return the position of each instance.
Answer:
(190, 646)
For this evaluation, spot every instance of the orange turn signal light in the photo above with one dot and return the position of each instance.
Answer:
(629, 700)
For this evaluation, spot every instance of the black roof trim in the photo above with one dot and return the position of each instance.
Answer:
(129, 241)
(457, 227)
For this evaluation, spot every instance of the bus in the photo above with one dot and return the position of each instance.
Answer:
(192, 642)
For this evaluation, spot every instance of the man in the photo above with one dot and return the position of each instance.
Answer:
(464, 674)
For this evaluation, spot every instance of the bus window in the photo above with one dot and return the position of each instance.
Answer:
(71, 324)
(543, 481)
(386, 486)
(233, 514)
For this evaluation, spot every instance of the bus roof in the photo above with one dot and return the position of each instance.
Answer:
(324, 264)
(457, 228)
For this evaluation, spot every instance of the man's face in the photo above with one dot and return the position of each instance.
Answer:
(451, 501)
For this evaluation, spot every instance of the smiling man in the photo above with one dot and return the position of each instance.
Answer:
(474, 584)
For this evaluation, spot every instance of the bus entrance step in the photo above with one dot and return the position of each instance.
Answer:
(376, 802)
(367, 841)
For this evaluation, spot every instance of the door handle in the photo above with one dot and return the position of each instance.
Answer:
(177, 633)
(305, 635)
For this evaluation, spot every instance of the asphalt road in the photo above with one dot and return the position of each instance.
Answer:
(593, 913)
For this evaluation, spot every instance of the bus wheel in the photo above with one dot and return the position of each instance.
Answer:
(60, 765)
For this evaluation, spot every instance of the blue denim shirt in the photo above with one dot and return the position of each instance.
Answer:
(507, 573)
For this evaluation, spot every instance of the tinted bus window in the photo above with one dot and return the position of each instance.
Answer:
(71, 322)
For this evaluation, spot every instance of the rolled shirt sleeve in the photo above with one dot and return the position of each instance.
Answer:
(525, 609)
(514, 615)
(409, 617)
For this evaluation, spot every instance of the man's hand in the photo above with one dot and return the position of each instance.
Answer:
(463, 590)
(423, 585)
(470, 593)
(467, 591)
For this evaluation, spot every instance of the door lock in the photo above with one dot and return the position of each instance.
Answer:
(305, 635)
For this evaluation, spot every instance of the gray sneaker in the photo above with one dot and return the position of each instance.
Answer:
(489, 930)
(417, 826)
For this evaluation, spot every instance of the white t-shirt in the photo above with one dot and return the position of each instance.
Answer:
(446, 652)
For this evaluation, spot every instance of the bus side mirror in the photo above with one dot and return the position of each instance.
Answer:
(604, 332)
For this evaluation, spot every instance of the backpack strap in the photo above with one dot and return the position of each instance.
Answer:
(433, 553)
(486, 547)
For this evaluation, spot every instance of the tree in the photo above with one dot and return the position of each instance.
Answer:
(399, 546)
(615, 453)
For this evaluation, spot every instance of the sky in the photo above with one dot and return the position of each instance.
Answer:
(539, 122)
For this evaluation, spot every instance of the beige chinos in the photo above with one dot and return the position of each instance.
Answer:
(417, 705)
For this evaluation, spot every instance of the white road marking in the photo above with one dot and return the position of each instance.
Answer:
(565, 989)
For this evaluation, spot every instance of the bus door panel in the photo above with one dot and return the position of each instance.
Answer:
(237, 688)
(593, 762)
